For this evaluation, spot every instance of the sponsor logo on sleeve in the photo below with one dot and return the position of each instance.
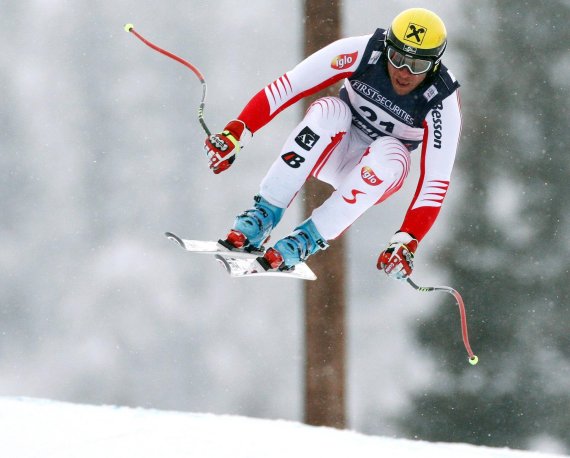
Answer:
(307, 139)
(437, 125)
(343, 61)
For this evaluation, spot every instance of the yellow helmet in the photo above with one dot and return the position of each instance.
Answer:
(418, 32)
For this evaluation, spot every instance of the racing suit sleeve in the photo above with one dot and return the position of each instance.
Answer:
(442, 129)
(325, 67)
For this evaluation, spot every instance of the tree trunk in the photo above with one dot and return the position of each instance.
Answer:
(324, 298)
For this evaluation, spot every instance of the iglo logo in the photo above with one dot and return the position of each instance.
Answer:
(344, 61)
(369, 176)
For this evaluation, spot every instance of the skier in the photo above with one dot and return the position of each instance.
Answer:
(397, 96)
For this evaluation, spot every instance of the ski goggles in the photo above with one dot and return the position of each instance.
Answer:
(415, 65)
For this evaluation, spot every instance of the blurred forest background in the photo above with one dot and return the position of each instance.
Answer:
(101, 153)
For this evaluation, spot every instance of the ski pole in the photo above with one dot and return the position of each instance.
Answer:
(473, 359)
(131, 28)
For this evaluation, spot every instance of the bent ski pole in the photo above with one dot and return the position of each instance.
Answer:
(131, 28)
(473, 359)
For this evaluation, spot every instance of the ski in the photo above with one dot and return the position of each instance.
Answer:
(239, 263)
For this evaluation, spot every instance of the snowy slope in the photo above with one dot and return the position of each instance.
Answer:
(31, 428)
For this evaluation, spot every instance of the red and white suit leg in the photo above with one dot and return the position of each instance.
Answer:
(379, 174)
(321, 133)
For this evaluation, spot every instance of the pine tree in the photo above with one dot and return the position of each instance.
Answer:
(509, 251)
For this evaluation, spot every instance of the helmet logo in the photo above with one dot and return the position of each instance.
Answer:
(415, 33)
(410, 49)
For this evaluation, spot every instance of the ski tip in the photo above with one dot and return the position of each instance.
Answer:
(224, 263)
(128, 27)
(174, 238)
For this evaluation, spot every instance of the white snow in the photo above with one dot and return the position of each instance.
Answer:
(37, 428)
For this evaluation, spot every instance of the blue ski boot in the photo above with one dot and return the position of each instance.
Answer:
(253, 226)
(304, 241)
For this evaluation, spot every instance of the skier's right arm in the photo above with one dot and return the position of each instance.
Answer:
(327, 66)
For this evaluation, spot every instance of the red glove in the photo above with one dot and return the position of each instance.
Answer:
(397, 261)
(222, 148)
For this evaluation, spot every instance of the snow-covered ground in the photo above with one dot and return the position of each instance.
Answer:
(35, 428)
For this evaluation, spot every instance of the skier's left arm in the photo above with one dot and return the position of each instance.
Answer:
(442, 129)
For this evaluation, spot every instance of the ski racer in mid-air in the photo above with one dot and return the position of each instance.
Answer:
(397, 99)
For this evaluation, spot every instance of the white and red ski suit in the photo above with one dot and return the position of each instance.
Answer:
(360, 142)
